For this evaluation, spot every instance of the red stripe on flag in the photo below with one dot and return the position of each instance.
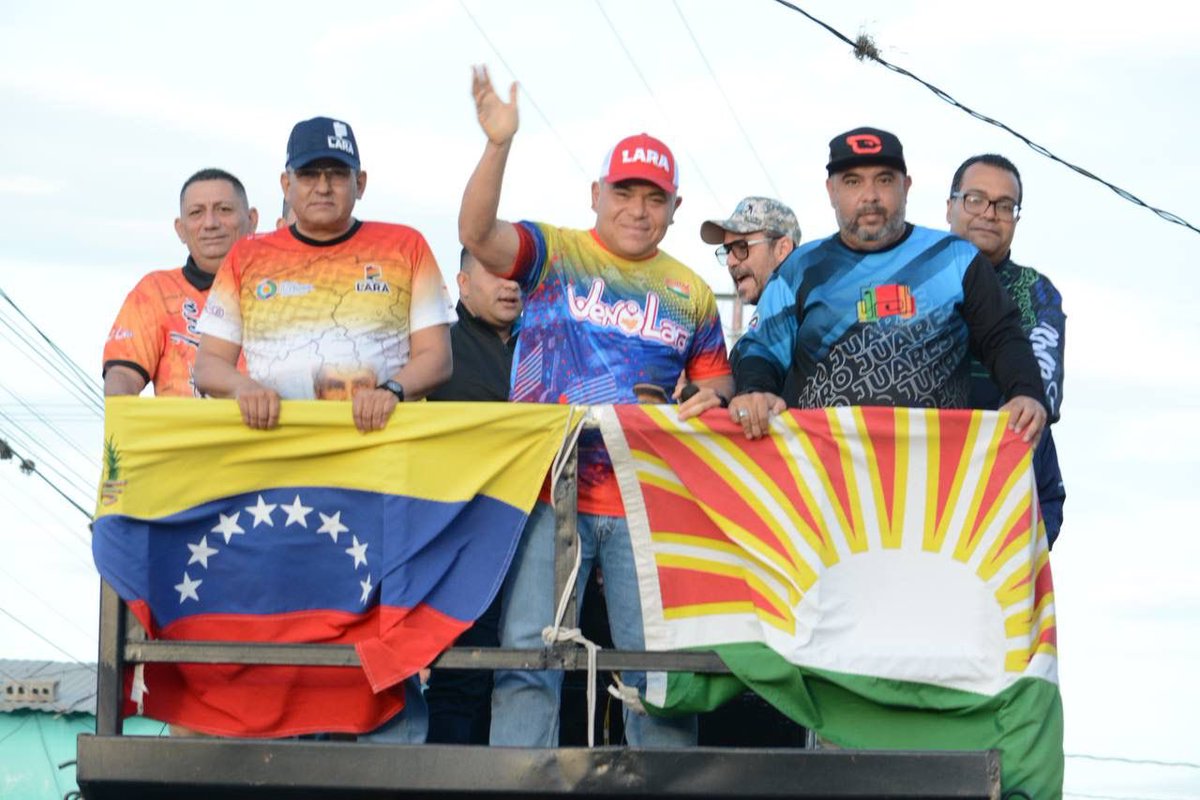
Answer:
(881, 431)
(670, 513)
(702, 480)
(683, 587)
(1008, 459)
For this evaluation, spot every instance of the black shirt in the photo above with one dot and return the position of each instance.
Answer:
(482, 361)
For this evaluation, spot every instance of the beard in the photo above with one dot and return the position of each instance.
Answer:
(890, 230)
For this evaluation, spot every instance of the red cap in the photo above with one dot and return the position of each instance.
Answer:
(641, 158)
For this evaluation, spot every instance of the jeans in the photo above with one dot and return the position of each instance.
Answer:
(525, 703)
(460, 699)
(410, 726)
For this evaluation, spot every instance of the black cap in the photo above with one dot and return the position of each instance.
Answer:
(863, 146)
(321, 137)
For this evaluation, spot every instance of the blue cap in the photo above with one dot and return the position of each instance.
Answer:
(321, 137)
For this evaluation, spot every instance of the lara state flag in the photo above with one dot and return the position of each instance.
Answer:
(877, 574)
(394, 541)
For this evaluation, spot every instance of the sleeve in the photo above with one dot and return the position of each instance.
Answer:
(707, 356)
(136, 339)
(764, 353)
(1049, 340)
(1051, 492)
(528, 266)
(996, 336)
(222, 315)
(430, 302)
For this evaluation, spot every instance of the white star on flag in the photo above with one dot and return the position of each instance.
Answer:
(332, 525)
(366, 587)
(262, 512)
(297, 513)
(228, 526)
(188, 589)
(201, 552)
(358, 551)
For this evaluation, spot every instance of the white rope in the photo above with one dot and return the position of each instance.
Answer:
(557, 633)
(570, 437)
(628, 695)
(139, 690)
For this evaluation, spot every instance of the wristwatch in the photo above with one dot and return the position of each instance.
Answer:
(394, 387)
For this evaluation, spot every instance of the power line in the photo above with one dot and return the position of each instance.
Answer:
(524, 90)
(30, 350)
(74, 481)
(1147, 761)
(79, 374)
(29, 468)
(653, 96)
(864, 48)
(9, 614)
(49, 606)
(732, 112)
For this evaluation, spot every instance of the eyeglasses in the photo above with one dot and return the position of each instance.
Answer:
(740, 248)
(977, 204)
(335, 175)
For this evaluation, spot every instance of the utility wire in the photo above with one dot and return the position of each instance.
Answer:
(9, 614)
(525, 91)
(732, 112)
(80, 374)
(29, 468)
(46, 459)
(653, 96)
(1148, 761)
(865, 49)
(49, 424)
(30, 350)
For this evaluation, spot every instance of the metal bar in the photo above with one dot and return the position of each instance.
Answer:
(134, 767)
(110, 667)
(571, 658)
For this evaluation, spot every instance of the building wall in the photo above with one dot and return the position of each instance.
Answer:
(34, 743)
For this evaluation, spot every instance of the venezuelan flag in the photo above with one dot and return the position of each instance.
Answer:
(393, 541)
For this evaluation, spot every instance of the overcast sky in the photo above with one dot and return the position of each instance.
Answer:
(109, 106)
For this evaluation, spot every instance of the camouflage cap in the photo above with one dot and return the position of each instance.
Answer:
(754, 214)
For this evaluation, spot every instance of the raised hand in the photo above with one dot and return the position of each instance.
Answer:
(498, 119)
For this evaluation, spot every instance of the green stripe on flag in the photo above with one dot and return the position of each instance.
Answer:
(1024, 721)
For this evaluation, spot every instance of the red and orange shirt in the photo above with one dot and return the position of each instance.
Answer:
(155, 332)
(315, 319)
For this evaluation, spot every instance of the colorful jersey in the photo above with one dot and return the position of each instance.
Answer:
(317, 318)
(155, 332)
(596, 325)
(890, 327)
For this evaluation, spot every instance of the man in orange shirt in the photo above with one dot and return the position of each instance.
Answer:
(154, 338)
(331, 307)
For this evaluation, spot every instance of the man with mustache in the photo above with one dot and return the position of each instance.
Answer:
(154, 338)
(884, 312)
